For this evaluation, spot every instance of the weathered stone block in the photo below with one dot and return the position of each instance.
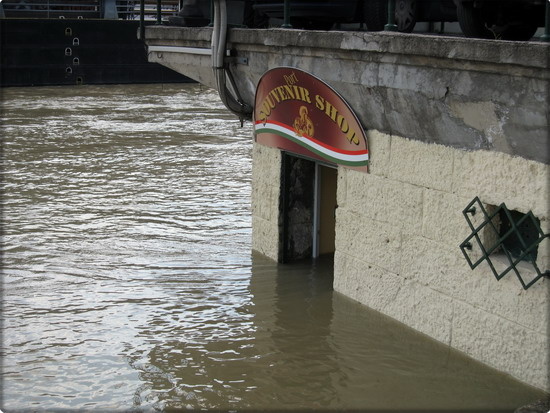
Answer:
(502, 344)
(523, 185)
(341, 187)
(379, 145)
(442, 217)
(423, 309)
(444, 269)
(370, 285)
(265, 202)
(422, 164)
(266, 170)
(265, 237)
(418, 306)
(266, 165)
(384, 200)
(372, 241)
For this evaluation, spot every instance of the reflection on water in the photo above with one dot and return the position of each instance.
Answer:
(129, 283)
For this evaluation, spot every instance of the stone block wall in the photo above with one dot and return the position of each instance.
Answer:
(266, 188)
(477, 111)
(398, 231)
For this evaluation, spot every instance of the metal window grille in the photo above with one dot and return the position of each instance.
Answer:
(504, 233)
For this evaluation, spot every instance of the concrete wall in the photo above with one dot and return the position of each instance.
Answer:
(449, 119)
(266, 188)
(464, 93)
(398, 231)
(397, 237)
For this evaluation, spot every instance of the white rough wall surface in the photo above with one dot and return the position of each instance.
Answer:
(266, 183)
(398, 232)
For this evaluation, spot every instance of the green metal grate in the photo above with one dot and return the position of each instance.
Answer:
(512, 235)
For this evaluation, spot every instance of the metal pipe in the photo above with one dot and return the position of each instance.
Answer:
(159, 12)
(215, 32)
(142, 20)
(546, 36)
(222, 39)
(391, 26)
(286, 15)
(219, 37)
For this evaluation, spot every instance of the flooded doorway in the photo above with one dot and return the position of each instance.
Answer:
(308, 208)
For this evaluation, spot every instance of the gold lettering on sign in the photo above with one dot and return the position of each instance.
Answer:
(324, 105)
(280, 94)
(291, 79)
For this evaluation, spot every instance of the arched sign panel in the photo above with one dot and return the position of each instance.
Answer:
(299, 113)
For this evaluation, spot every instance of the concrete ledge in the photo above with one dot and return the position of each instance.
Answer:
(463, 93)
(520, 54)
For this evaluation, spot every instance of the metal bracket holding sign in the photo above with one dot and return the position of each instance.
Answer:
(299, 113)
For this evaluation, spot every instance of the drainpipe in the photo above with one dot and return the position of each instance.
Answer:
(219, 39)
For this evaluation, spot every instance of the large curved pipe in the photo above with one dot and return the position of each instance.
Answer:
(219, 38)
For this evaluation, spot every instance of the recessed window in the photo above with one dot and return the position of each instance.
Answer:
(506, 240)
(519, 232)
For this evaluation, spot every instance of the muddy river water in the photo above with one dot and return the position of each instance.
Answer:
(129, 283)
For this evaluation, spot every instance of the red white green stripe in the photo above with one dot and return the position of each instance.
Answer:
(336, 155)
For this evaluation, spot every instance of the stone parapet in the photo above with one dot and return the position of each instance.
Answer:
(462, 93)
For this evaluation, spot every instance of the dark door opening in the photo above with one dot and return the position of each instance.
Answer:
(309, 204)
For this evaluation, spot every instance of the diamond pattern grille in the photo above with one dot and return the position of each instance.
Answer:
(504, 232)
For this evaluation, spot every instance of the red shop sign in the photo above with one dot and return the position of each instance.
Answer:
(299, 113)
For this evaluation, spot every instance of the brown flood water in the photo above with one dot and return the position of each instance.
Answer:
(129, 283)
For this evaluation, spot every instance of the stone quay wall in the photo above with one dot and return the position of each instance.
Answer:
(398, 231)
(448, 119)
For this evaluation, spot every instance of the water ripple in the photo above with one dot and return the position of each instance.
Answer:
(129, 284)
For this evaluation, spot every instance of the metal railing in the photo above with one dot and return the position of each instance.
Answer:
(391, 26)
(164, 7)
(156, 9)
(52, 8)
(150, 9)
(90, 9)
